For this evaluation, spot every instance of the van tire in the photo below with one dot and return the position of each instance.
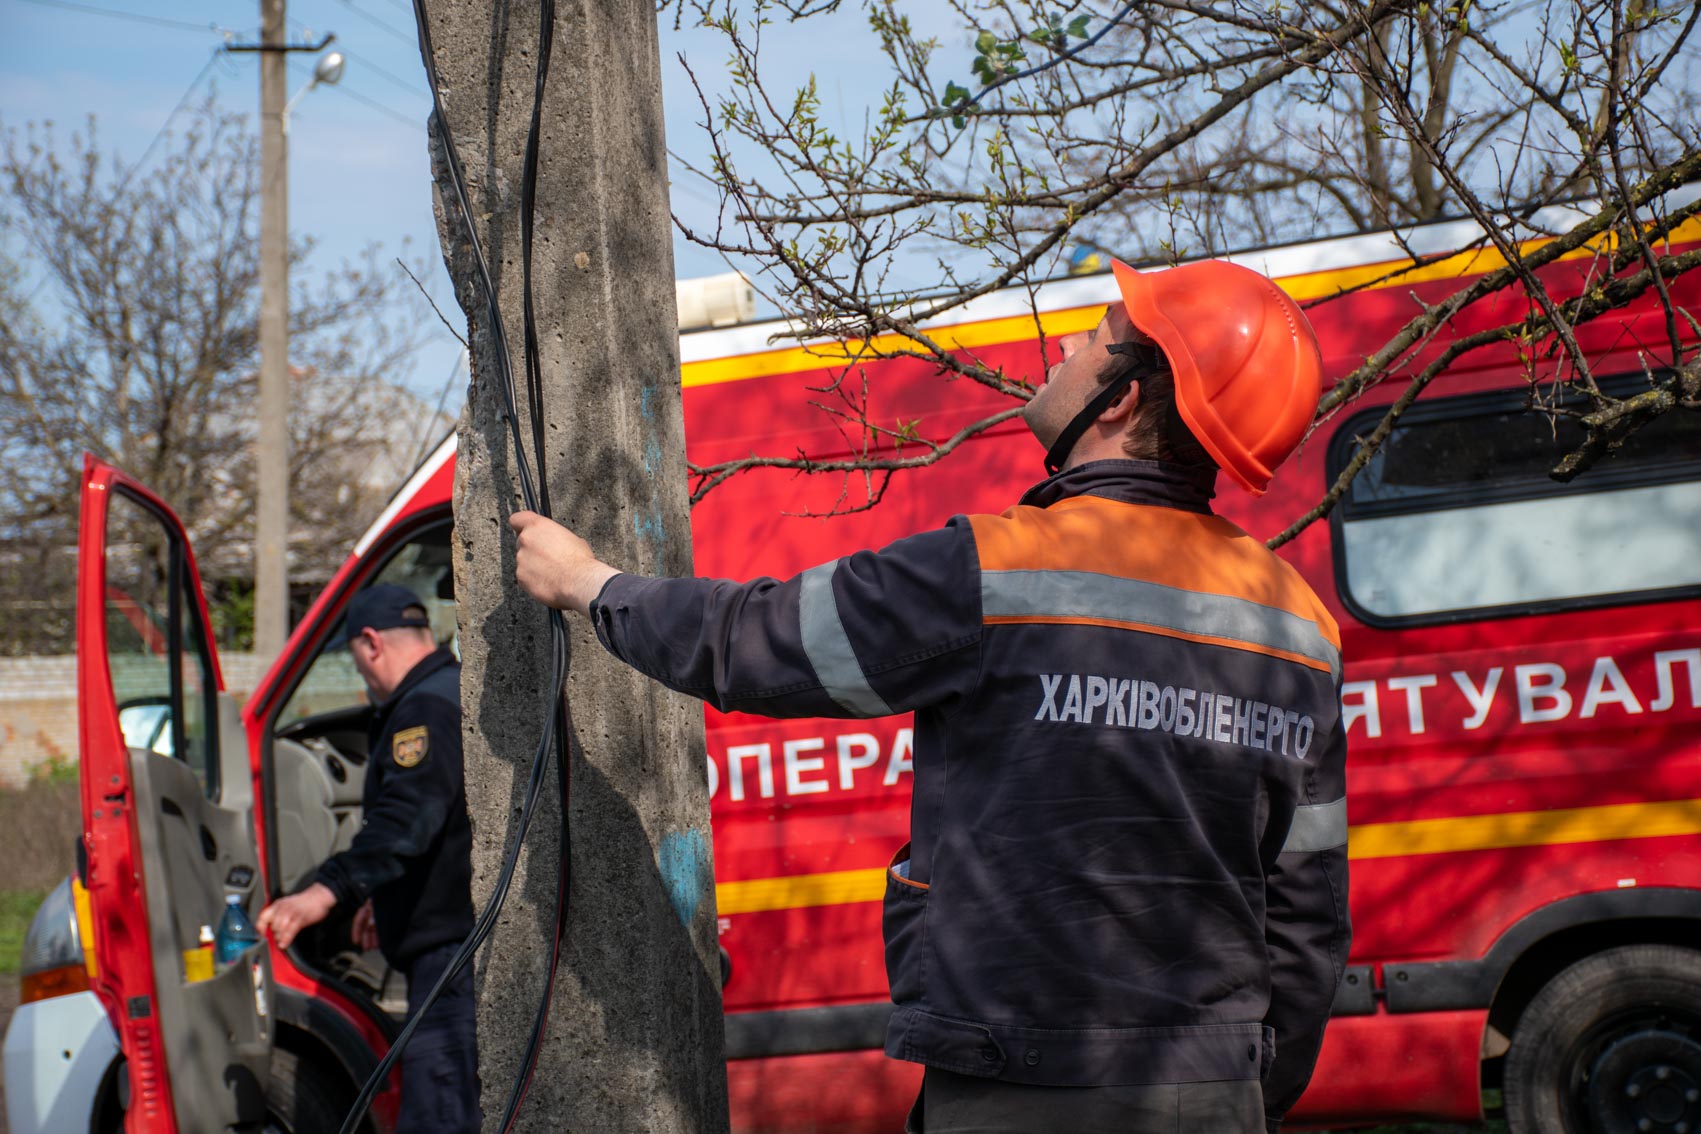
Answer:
(301, 1098)
(1611, 1042)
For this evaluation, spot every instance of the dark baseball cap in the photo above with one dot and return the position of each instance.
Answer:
(383, 607)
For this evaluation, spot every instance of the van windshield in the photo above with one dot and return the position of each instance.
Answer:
(421, 564)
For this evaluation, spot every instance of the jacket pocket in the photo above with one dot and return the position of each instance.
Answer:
(904, 926)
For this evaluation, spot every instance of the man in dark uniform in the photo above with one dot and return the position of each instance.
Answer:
(1123, 906)
(408, 873)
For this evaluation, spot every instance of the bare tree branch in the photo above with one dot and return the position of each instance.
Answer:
(141, 346)
(1186, 128)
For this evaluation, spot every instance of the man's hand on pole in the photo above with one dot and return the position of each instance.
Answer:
(554, 566)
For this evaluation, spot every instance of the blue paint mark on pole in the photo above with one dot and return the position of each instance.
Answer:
(648, 527)
(687, 870)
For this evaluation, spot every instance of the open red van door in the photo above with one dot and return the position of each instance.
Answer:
(168, 821)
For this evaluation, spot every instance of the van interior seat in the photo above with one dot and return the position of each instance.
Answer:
(304, 795)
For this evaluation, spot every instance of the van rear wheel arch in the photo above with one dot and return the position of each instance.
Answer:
(1538, 965)
(1540, 945)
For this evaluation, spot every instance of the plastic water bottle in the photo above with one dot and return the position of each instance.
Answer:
(236, 933)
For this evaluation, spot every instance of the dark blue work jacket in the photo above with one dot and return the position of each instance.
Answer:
(413, 853)
(1128, 836)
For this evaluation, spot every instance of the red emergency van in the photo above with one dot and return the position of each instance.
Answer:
(1523, 696)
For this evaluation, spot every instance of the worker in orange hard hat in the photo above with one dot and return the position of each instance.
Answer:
(1123, 904)
(1236, 361)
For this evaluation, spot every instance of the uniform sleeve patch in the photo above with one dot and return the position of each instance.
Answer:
(409, 746)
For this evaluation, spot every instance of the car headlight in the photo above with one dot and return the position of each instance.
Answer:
(52, 964)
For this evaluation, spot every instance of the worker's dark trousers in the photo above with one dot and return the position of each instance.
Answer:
(440, 1063)
(962, 1104)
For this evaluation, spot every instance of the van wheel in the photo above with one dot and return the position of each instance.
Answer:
(300, 1100)
(1612, 1045)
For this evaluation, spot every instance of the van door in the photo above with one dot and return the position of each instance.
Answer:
(168, 822)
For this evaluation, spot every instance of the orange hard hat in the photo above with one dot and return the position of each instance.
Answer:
(1247, 369)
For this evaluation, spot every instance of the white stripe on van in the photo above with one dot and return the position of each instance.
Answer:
(403, 498)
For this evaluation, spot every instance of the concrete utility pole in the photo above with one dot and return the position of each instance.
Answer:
(635, 1041)
(271, 516)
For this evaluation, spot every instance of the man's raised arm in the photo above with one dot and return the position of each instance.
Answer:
(868, 635)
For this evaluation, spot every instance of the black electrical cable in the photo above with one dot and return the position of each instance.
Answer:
(557, 726)
(534, 390)
(528, 199)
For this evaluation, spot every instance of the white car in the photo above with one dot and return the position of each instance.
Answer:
(62, 1066)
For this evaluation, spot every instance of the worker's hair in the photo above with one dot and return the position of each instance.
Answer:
(1158, 433)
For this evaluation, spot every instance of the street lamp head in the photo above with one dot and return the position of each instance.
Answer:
(329, 68)
(326, 72)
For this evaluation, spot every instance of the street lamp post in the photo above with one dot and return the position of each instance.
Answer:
(271, 514)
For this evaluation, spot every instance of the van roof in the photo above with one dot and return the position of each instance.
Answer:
(1308, 270)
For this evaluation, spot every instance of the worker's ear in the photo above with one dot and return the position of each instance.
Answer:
(1122, 408)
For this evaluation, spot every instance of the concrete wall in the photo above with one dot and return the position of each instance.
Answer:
(38, 709)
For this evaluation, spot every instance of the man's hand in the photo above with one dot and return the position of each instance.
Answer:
(364, 931)
(287, 917)
(554, 566)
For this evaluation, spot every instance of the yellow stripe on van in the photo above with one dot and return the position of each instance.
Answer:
(1371, 840)
(800, 890)
(819, 356)
(1526, 829)
(1020, 328)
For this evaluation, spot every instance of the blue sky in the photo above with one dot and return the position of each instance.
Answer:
(358, 166)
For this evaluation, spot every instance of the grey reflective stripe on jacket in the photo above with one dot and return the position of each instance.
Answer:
(828, 646)
(1317, 827)
(1088, 594)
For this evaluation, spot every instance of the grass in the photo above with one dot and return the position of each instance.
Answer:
(16, 909)
(39, 828)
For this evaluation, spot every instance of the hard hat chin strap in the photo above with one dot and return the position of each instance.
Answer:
(1146, 361)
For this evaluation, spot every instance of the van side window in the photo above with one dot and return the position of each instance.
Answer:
(1457, 516)
(422, 564)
